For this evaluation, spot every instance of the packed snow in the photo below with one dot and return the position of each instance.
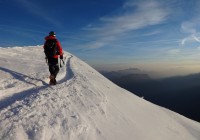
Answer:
(84, 105)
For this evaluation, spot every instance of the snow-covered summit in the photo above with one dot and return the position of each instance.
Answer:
(83, 106)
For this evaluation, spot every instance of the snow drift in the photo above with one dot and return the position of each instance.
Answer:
(83, 106)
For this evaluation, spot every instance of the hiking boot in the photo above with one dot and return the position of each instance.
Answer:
(52, 80)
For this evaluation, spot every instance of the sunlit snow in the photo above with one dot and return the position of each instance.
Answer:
(84, 105)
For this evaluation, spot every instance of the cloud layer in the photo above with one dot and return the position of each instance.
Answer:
(39, 11)
(190, 28)
(132, 16)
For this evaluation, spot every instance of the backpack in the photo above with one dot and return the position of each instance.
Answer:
(50, 48)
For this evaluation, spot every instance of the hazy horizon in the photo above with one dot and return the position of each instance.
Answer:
(153, 73)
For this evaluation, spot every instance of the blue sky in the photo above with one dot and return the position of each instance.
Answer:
(153, 35)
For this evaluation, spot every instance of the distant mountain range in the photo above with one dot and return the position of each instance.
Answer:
(180, 93)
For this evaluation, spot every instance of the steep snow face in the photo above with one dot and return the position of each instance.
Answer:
(82, 106)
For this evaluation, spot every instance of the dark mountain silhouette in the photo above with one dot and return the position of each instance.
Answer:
(180, 94)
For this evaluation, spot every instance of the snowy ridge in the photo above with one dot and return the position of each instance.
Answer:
(83, 106)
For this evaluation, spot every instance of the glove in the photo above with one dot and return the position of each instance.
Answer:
(61, 56)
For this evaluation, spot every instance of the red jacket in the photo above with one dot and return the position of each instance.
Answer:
(58, 45)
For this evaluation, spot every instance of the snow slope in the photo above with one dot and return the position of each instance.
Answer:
(83, 106)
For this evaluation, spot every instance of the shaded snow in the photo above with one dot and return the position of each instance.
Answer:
(83, 106)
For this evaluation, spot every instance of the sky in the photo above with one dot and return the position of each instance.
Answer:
(160, 37)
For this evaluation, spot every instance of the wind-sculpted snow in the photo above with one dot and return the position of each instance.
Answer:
(82, 106)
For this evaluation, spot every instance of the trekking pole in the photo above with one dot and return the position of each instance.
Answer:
(60, 63)
(46, 61)
(63, 61)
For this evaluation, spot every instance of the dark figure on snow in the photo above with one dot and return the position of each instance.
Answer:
(52, 50)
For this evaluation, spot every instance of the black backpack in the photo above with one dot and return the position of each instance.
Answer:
(50, 48)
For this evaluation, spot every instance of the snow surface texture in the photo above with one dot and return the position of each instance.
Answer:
(84, 105)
